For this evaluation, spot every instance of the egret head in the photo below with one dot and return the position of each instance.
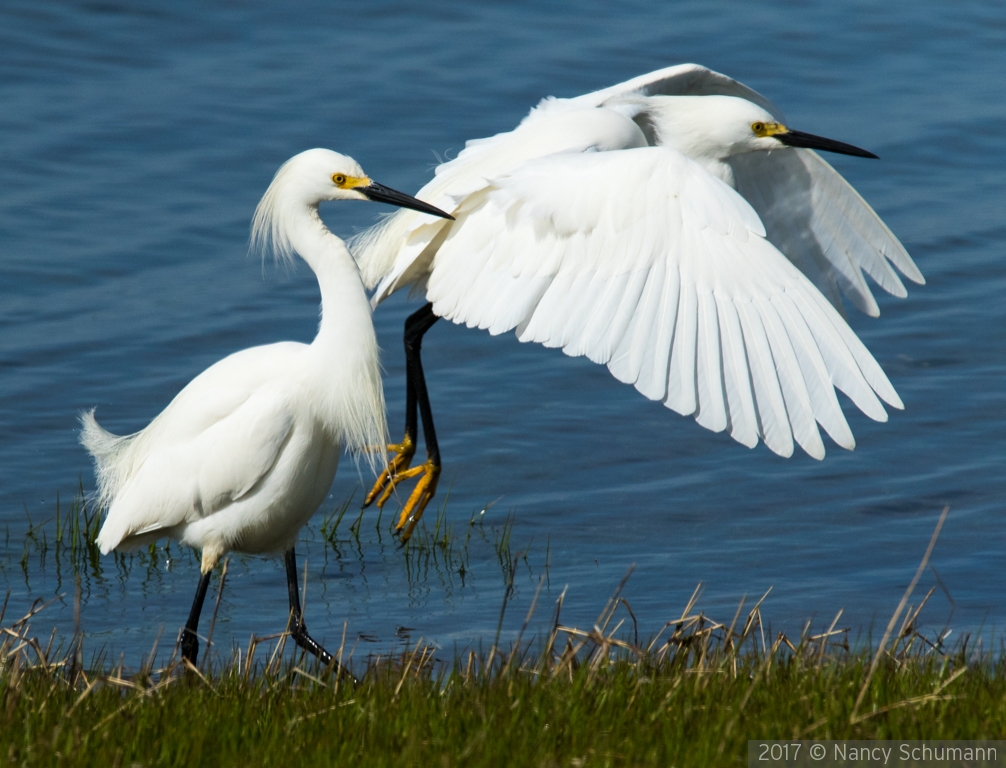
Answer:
(317, 175)
(769, 134)
(310, 178)
(713, 128)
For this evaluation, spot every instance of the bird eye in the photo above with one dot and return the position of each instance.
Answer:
(339, 179)
(758, 127)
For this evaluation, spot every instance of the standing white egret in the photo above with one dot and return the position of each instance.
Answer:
(246, 452)
(672, 228)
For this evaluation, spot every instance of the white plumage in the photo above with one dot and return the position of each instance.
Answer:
(669, 229)
(247, 451)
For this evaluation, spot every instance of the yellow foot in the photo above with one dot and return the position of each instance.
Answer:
(385, 485)
(420, 497)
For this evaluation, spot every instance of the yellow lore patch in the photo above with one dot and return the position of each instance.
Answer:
(768, 129)
(350, 182)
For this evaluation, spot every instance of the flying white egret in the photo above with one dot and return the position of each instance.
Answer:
(246, 452)
(672, 228)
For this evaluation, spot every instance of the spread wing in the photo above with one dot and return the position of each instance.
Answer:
(824, 227)
(811, 213)
(396, 251)
(678, 80)
(642, 261)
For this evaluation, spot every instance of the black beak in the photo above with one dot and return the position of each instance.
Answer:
(810, 141)
(382, 194)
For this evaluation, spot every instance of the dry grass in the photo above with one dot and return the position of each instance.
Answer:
(691, 693)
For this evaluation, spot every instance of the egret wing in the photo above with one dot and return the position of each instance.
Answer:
(643, 261)
(185, 480)
(815, 217)
(677, 80)
(397, 251)
(811, 213)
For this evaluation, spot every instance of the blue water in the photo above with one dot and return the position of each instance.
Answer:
(136, 139)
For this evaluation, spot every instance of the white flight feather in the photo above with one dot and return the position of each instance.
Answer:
(676, 282)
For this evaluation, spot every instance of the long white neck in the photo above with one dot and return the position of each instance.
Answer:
(345, 311)
(345, 349)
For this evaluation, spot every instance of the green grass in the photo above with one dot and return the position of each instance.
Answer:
(691, 695)
(625, 715)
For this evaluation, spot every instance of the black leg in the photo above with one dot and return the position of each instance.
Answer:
(417, 404)
(416, 326)
(298, 629)
(411, 422)
(190, 642)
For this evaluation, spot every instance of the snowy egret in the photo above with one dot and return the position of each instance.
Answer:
(246, 452)
(672, 228)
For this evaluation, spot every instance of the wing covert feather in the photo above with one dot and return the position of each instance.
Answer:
(670, 282)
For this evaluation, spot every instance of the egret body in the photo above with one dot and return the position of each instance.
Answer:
(672, 228)
(247, 451)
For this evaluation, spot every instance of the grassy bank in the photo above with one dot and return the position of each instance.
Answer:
(626, 715)
(692, 695)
